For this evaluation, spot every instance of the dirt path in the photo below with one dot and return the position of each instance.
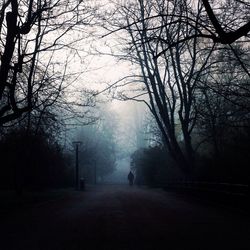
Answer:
(123, 217)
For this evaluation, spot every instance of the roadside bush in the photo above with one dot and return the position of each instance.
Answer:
(31, 161)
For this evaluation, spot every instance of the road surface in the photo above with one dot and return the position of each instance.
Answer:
(114, 217)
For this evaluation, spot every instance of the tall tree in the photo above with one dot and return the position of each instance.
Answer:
(169, 73)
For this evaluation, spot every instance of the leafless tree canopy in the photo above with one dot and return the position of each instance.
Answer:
(32, 72)
(181, 48)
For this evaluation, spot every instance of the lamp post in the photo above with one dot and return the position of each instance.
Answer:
(77, 143)
(95, 173)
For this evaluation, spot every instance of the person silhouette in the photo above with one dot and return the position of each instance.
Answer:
(131, 178)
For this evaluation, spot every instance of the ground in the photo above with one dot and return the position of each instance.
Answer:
(121, 217)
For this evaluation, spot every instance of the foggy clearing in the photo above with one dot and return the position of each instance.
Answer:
(122, 217)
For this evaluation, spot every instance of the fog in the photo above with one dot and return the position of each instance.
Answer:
(119, 176)
(117, 134)
(129, 131)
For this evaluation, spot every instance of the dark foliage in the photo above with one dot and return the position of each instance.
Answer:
(231, 164)
(153, 166)
(29, 161)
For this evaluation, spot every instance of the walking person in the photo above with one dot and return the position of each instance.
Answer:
(131, 178)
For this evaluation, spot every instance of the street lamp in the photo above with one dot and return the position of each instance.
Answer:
(77, 143)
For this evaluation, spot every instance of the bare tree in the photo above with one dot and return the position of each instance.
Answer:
(170, 68)
(232, 22)
(32, 72)
(223, 103)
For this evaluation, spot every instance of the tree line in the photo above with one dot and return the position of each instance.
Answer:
(190, 63)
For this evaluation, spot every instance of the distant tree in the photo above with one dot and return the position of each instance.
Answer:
(153, 166)
(98, 149)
